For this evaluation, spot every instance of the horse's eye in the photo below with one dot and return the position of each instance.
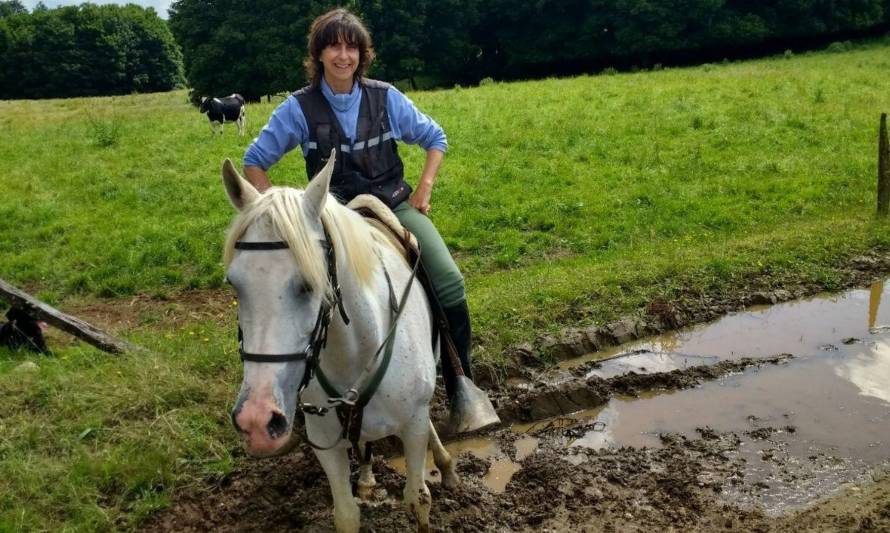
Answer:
(300, 287)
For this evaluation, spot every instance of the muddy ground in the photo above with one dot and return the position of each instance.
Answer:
(685, 485)
(674, 488)
(682, 486)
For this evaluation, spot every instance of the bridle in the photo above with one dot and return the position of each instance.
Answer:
(319, 336)
(350, 404)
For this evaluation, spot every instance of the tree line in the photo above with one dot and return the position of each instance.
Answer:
(256, 47)
(85, 50)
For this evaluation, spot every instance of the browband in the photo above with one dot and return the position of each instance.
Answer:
(268, 245)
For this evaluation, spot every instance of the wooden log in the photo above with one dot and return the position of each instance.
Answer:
(883, 168)
(66, 323)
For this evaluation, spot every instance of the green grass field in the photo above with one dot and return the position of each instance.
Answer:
(566, 202)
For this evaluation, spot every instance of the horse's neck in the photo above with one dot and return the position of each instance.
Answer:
(350, 347)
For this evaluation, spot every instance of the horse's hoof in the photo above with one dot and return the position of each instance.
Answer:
(450, 479)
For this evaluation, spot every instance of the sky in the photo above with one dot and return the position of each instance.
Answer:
(159, 5)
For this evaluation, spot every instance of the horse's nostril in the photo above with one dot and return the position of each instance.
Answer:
(277, 425)
(235, 420)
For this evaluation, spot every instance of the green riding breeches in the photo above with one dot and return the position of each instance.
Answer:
(437, 261)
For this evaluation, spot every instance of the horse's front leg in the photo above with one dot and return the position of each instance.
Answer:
(417, 496)
(335, 463)
(366, 480)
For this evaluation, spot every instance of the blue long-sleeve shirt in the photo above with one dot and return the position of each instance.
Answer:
(287, 126)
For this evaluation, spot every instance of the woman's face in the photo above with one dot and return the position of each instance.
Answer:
(340, 61)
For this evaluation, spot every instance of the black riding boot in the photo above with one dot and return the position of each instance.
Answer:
(459, 326)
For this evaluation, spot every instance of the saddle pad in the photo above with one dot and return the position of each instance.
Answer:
(384, 220)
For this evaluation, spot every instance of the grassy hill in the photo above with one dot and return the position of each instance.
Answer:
(566, 201)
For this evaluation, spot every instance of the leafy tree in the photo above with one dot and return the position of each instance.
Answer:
(250, 47)
(399, 29)
(87, 50)
(11, 7)
(258, 47)
(522, 39)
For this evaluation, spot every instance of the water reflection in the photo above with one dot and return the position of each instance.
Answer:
(824, 412)
(650, 362)
(874, 302)
(869, 370)
(802, 327)
(501, 467)
(601, 437)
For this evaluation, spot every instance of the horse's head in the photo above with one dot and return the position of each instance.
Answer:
(280, 292)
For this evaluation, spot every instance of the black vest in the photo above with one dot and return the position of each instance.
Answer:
(371, 164)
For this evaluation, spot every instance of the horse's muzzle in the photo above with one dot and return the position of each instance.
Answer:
(264, 427)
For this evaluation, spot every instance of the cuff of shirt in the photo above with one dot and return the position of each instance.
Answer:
(442, 147)
(251, 159)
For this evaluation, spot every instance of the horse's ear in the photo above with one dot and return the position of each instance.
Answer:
(241, 192)
(317, 190)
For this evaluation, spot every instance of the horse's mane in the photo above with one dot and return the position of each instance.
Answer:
(352, 238)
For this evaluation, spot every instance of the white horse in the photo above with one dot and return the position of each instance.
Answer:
(284, 290)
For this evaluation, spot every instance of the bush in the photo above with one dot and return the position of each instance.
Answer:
(839, 47)
(105, 132)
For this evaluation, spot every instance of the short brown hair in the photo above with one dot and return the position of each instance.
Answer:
(332, 27)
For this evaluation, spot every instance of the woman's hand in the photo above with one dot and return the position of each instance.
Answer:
(420, 198)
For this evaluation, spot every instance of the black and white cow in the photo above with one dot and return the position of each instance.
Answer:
(222, 110)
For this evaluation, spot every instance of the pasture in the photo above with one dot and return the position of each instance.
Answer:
(566, 201)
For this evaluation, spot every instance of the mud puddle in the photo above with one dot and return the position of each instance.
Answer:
(805, 428)
(804, 327)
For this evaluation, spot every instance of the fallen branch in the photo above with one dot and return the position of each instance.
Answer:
(66, 323)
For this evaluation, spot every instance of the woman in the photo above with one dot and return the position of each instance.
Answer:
(362, 119)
